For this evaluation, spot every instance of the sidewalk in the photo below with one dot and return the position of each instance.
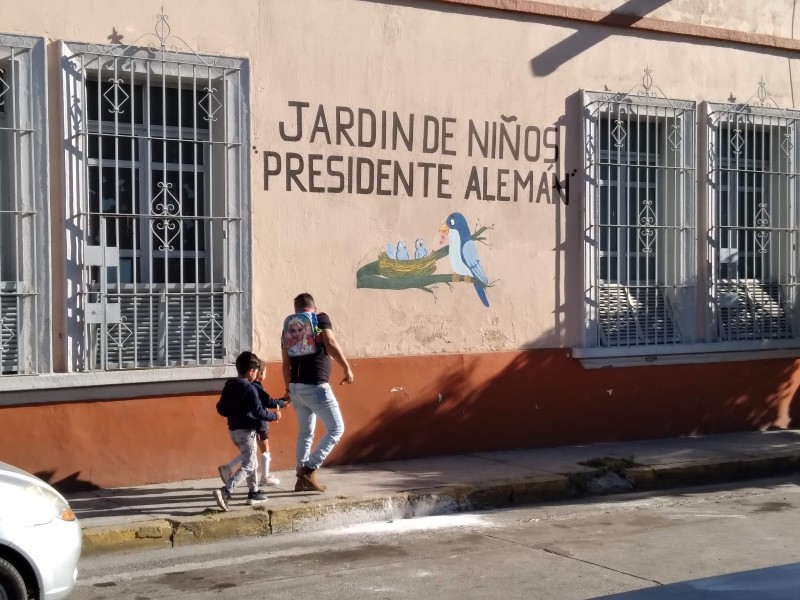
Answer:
(164, 515)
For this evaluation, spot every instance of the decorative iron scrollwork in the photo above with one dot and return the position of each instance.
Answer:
(161, 43)
(644, 93)
(9, 333)
(4, 87)
(165, 205)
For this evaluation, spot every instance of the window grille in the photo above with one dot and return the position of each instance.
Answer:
(24, 224)
(753, 219)
(639, 218)
(161, 205)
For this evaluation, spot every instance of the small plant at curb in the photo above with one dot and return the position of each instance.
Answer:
(578, 483)
(581, 484)
(615, 465)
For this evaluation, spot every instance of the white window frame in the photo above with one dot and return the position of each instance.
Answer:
(231, 265)
(674, 298)
(25, 296)
(743, 312)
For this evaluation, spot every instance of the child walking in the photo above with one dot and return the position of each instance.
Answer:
(240, 404)
(264, 476)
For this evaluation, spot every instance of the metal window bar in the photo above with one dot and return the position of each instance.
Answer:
(753, 221)
(21, 205)
(161, 285)
(640, 217)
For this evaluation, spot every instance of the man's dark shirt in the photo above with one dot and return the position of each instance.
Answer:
(315, 368)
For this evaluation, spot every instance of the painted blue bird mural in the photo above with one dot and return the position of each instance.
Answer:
(390, 251)
(421, 251)
(464, 253)
(402, 251)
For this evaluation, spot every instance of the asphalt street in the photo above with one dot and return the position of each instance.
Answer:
(575, 550)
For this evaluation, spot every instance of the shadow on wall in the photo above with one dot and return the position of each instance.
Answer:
(794, 409)
(71, 483)
(545, 398)
(620, 21)
(624, 16)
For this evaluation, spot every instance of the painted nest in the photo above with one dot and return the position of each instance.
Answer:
(390, 267)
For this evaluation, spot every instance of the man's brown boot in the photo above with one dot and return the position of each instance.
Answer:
(309, 477)
(302, 486)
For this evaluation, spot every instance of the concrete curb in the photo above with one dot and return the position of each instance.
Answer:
(343, 511)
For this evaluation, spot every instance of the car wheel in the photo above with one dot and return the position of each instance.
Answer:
(12, 586)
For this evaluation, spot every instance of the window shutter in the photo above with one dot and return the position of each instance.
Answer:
(163, 326)
(635, 315)
(9, 329)
(133, 340)
(771, 317)
(750, 309)
(654, 312)
(616, 316)
(194, 326)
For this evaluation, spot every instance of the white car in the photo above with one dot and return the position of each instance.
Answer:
(40, 538)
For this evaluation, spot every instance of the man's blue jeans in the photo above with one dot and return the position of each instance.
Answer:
(310, 402)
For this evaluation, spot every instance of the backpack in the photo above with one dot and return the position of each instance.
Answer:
(300, 331)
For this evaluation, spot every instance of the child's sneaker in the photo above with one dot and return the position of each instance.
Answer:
(270, 480)
(257, 497)
(222, 496)
(224, 473)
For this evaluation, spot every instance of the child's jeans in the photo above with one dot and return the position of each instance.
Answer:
(245, 440)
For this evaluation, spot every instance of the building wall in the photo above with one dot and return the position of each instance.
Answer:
(769, 18)
(505, 371)
(486, 66)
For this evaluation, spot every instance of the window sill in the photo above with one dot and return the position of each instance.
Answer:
(111, 385)
(636, 356)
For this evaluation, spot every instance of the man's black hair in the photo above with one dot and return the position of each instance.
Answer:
(246, 362)
(303, 301)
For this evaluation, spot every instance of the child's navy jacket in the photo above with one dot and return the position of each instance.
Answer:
(241, 405)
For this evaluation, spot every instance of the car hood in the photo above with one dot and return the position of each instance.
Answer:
(13, 500)
(11, 474)
(13, 469)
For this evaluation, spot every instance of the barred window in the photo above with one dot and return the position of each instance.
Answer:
(753, 222)
(24, 223)
(639, 219)
(160, 195)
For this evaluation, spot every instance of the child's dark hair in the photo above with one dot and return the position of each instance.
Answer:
(246, 362)
(303, 301)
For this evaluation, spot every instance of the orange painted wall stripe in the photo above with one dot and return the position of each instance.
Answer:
(611, 19)
(409, 407)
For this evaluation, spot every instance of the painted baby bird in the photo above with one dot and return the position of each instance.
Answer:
(421, 251)
(402, 251)
(390, 251)
(464, 253)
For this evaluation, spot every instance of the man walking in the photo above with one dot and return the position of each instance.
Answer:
(307, 381)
